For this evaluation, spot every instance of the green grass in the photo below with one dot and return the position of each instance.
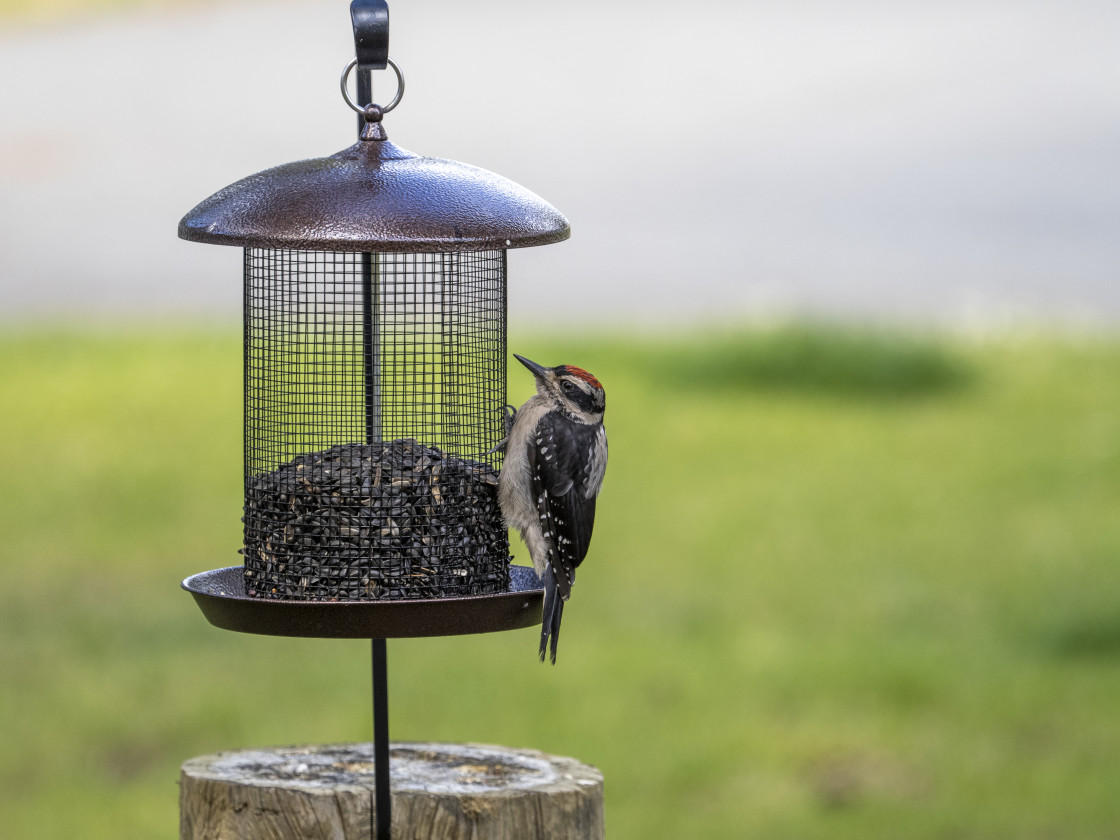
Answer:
(842, 585)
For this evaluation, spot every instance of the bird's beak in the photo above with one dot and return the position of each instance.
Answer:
(539, 371)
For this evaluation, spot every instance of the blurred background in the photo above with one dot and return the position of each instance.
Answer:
(849, 273)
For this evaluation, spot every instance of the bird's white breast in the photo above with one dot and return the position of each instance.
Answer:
(596, 464)
(514, 486)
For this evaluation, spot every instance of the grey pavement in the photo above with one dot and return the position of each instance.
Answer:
(953, 162)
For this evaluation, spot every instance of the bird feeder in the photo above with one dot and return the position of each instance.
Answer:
(374, 386)
(375, 367)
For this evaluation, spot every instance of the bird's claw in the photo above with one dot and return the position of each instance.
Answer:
(510, 413)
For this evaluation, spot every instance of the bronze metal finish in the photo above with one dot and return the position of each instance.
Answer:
(375, 197)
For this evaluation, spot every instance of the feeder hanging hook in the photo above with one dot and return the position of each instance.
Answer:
(371, 33)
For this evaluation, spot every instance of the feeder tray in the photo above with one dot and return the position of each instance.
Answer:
(220, 594)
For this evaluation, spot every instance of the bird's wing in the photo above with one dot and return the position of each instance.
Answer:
(567, 517)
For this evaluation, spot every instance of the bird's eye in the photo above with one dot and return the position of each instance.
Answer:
(567, 385)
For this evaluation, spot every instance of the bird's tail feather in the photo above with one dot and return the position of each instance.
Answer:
(553, 610)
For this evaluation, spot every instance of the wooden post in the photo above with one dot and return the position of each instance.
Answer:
(439, 792)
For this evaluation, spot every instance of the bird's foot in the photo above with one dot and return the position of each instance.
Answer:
(507, 420)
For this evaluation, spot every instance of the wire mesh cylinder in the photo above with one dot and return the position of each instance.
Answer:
(374, 394)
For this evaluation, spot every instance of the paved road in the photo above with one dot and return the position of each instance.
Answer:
(955, 161)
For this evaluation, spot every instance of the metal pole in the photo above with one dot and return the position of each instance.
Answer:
(371, 346)
(382, 804)
(371, 287)
(365, 94)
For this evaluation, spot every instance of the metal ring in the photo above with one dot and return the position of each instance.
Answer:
(385, 109)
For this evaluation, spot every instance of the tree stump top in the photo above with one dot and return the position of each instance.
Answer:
(474, 769)
(438, 792)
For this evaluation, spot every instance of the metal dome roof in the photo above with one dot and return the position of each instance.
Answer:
(375, 196)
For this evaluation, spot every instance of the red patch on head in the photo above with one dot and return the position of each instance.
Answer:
(580, 373)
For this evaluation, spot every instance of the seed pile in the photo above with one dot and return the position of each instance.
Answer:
(381, 521)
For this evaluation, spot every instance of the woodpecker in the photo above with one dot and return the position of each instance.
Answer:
(556, 455)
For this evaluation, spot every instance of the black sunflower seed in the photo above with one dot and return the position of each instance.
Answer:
(392, 520)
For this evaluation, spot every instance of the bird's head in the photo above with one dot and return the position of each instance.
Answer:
(570, 389)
